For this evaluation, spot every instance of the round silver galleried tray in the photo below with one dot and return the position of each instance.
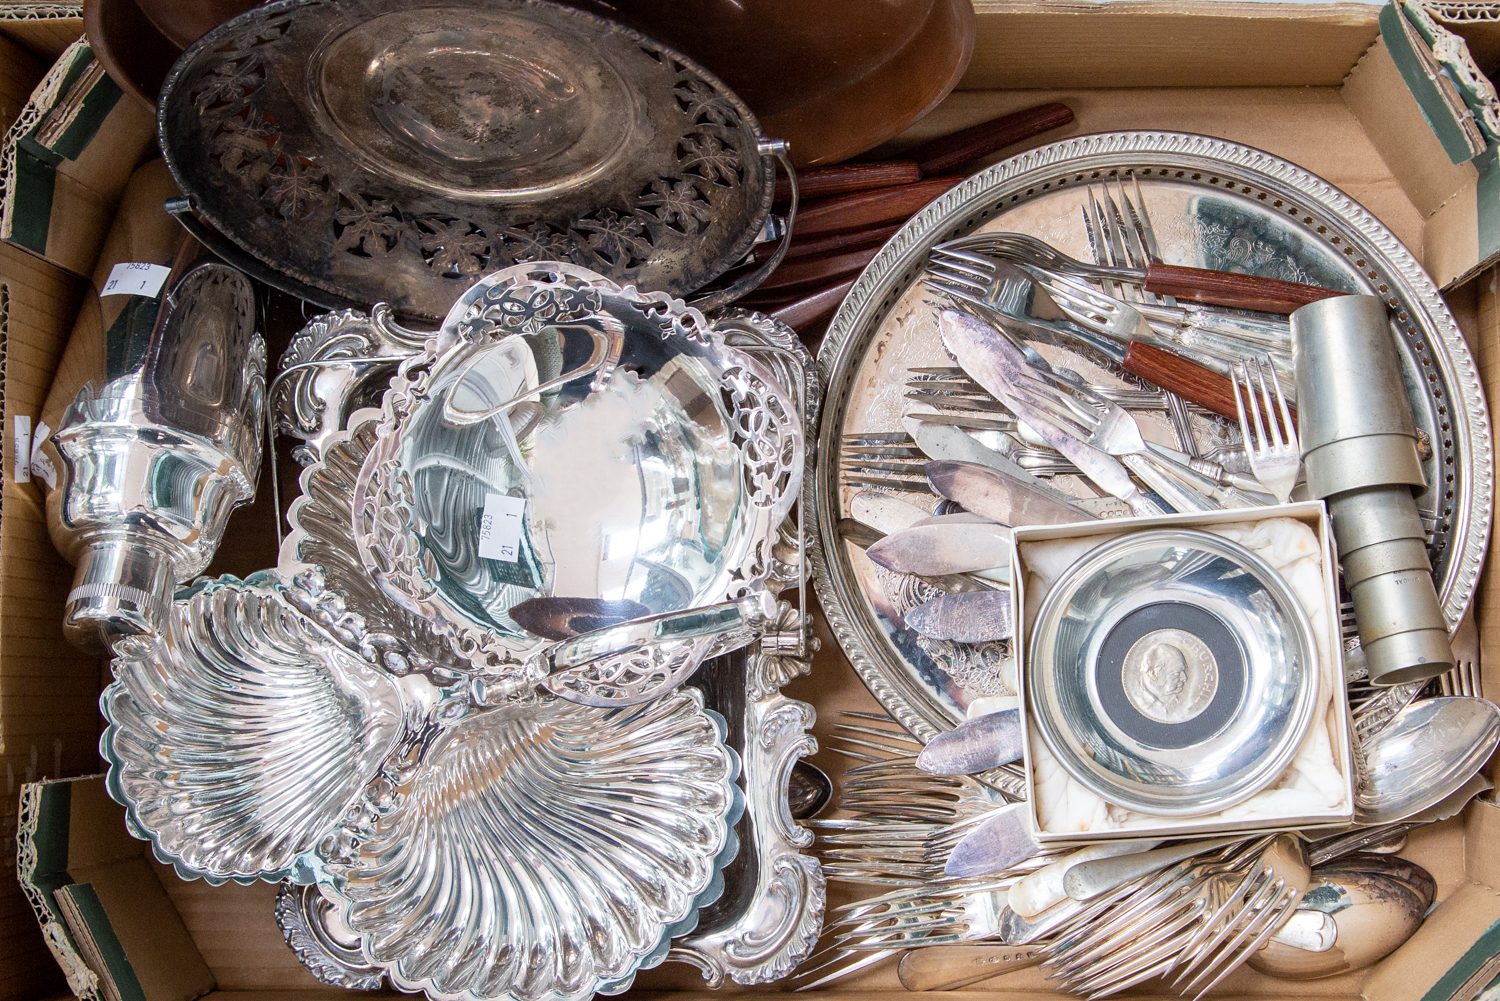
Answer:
(1213, 204)
(370, 150)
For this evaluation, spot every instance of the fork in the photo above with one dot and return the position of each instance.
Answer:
(1114, 427)
(1136, 248)
(1464, 678)
(1270, 444)
(1105, 426)
(1030, 252)
(976, 267)
(952, 390)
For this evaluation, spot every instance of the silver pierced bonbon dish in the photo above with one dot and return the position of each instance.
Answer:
(337, 723)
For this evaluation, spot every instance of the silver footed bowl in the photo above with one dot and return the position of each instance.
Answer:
(536, 850)
(563, 437)
(1172, 672)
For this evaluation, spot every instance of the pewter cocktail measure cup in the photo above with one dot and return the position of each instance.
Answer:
(1360, 452)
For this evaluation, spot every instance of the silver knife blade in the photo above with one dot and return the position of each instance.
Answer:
(945, 442)
(975, 745)
(859, 534)
(996, 364)
(991, 493)
(942, 549)
(1001, 841)
(968, 618)
(885, 513)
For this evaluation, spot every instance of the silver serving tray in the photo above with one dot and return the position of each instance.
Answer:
(1213, 204)
(374, 150)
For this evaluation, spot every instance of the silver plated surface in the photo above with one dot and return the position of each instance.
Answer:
(1172, 672)
(329, 371)
(325, 947)
(659, 472)
(199, 741)
(771, 913)
(397, 151)
(538, 851)
(157, 449)
(535, 849)
(1213, 204)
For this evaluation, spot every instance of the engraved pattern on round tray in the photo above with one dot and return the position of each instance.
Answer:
(372, 150)
(1213, 204)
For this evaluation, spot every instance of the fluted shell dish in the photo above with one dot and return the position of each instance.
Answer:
(538, 853)
(243, 734)
(536, 850)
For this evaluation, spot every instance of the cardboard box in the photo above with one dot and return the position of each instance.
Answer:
(1309, 82)
(1312, 514)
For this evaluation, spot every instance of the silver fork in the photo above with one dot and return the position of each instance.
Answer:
(1465, 678)
(1109, 428)
(1270, 444)
(1237, 334)
(1115, 430)
(1123, 322)
(1137, 248)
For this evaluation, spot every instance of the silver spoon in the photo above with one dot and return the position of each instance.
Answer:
(1376, 903)
(1426, 753)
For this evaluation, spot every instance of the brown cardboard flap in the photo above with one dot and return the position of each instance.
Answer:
(1441, 941)
(43, 37)
(1376, 93)
(76, 834)
(20, 71)
(151, 932)
(1048, 43)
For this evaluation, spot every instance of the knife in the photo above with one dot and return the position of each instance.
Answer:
(863, 536)
(979, 617)
(944, 548)
(975, 745)
(559, 618)
(885, 513)
(1001, 841)
(942, 442)
(991, 360)
(990, 492)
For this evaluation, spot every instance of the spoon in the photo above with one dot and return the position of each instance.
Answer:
(809, 790)
(1425, 754)
(1376, 903)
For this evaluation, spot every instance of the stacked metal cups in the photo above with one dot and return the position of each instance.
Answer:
(1360, 453)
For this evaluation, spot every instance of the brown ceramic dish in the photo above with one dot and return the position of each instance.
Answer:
(133, 52)
(834, 78)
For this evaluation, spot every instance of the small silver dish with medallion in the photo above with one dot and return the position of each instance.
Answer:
(1172, 672)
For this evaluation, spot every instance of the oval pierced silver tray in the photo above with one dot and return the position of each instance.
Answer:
(371, 150)
(1213, 204)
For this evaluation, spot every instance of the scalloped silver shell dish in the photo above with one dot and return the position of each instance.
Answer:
(375, 150)
(535, 850)
(1213, 204)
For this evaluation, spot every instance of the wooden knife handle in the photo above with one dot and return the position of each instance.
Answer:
(1187, 379)
(1224, 288)
(821, 245)
(818, 306)
(819, 270)
(868, 208)
(942, 155)
(842, 178)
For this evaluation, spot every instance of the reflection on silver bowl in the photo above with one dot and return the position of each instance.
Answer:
(1172, 672)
